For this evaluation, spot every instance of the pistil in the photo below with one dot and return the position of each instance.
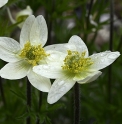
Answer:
(76, 62)
(33, 54)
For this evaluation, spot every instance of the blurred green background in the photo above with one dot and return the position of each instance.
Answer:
(101, 100)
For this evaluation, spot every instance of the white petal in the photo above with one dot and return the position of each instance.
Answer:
(58, 89)
(39, 82)
(8, 56)
(26, 29)
(9, 44)
(103, 59)
(91, 77)
(38, 34)
(3, 2)
(16, 70)
(71, 47)
(9, 49)
(55, 57)
(79, 44)
(57, 47)
(25, 12)
(84, 74)
(49, 71)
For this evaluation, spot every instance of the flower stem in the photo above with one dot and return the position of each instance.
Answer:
(40, 104)
(90, 7)
(76, 104)
(111, 24)
(28, 119)
(119, 45)
(88, 18)
(50, 21)
(2, 92)
(111, 48)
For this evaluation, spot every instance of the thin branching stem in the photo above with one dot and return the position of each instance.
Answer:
(28, 119)
(120, 44)
(111, 24)
(90, 7)
(50, 24)
(40, 104)
(2, 92)
(76, 104)
(111, 48)
(88, 18)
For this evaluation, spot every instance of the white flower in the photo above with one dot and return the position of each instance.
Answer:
(22, 57)
(20, 16)
(76, 66)
(3, 2)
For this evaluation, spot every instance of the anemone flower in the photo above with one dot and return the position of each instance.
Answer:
(20, 16)
(73, 64)
(30, 52)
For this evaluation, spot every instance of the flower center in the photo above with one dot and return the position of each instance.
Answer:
(33, 54)
(76, 62)
(21, 18)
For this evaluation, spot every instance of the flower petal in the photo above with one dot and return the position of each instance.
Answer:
(15, 70)
(103, 59)
(58, 89)
(85, 74)
(25, 12)
(26, 29)
(9, 49)
(82, 75)
(91, 77)
(39, 82)
(49, 71)
(3, 2)
(9, 44)
(55, 57)
(57, 47)
(79, 44)
(38, 34)
(8, 56)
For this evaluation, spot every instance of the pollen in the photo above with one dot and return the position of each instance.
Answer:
(33, 54)
(76, 62)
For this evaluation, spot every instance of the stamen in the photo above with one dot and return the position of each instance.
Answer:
(76, 62)
(33, 54)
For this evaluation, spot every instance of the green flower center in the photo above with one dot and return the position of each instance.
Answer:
(33, 54)
(21, 18)
(76, 62)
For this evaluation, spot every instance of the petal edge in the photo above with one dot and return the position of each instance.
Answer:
(58, 89)
(103, 59)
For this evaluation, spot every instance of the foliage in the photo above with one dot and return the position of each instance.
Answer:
(101, 102)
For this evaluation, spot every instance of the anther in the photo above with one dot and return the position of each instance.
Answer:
(75, 62)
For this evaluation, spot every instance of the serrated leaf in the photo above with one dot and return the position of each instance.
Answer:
(19, 94)
(55, 107)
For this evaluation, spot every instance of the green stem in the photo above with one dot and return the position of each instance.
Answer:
(40, 104)
(50, 23)
(2, 92)
(111, 48)
(76, 104)
(87, 18)
(120, 44)
(28, 119)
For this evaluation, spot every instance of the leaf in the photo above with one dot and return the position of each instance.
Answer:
(56, 106)
(23, 116)
(48, 120)
(19, 94)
